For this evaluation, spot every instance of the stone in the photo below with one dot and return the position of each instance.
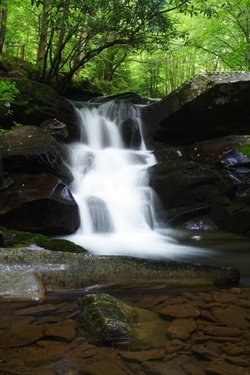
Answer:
(81, 271)
(222, 368)
(232, 316)
(106, 318)
(238, 361)
(63, 331)
(30, 149)
(23, 335)
(179, 311)
(143, 355)
(222, 331)
(200, 108)
(182, 329)
(103, 366)
(153, 368)
(40, 356)
(35, 310)
(204, 352)
(39, 203)
(225, 298)
(21, 286)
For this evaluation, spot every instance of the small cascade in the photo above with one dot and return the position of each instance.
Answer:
(109, 165)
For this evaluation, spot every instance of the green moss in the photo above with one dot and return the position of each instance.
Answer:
(13, 238)
(245, 149)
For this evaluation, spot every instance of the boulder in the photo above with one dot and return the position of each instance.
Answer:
(208, 106)
(107, 319)
(39, 102)
(29, 149)
(205, 183)
(39, 203)
(56, 128)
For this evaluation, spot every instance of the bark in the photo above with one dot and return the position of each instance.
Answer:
(43, 34)
(3, 20)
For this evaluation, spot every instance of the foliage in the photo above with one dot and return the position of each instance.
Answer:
(148, 46)
(245, 149)
(8, 93)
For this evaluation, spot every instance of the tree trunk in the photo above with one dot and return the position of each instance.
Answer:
(3, 20)
(43, 34)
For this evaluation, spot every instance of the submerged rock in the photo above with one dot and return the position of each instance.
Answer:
(20, 286)
(106, 318)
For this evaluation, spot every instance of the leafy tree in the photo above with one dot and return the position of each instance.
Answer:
(227, 36)
(72, 32)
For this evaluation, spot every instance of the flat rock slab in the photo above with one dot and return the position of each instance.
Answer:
(59, 271)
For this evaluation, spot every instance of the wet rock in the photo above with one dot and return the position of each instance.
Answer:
(35, 310)
(56, 128)
(208, 106)
(222, 368)
(66, 271)
(153, 368)
(130, 132)
(30, 149)
(107, 319)
(39, 203)
(104, 366)
(207, 184)
(21, 335)
(21, 286)
(232, 315)
(225, 298)
(182, 328)
(40, 356)
(142, 356)
(204, 352)
(63, 331)
(179, 311)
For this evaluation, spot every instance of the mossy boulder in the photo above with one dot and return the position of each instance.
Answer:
(14, 238)
(107, 319)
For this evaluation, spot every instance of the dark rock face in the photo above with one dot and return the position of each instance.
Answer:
(206, 183)
(209, 106)
(30, 149)
(130, 132)
(39, 203)
(200, 135)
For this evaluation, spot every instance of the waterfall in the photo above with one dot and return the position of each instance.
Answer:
(110, 168)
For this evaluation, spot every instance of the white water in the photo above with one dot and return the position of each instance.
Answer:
(117, 207)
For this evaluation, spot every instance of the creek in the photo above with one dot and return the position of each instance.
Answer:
(117, 206)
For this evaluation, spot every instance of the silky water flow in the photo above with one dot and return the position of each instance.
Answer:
(117, 206)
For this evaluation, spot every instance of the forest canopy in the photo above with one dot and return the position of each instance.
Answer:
(147, 46)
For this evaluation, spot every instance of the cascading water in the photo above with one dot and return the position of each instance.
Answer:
(109, 165)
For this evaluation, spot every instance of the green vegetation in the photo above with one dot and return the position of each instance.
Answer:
(13, 238)
(245, 149)
(113, 46)
(8, 93)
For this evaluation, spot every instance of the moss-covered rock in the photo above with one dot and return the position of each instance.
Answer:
(107, 319)
(14, 238)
